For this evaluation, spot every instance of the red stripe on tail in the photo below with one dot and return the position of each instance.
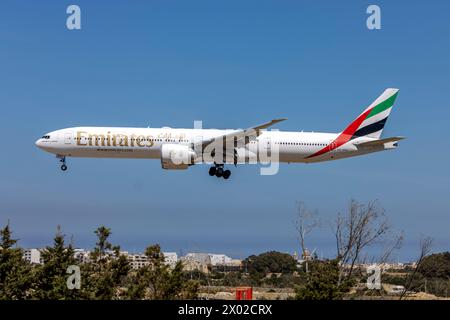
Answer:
(344, 137)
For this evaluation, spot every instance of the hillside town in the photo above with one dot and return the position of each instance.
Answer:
(204, 262)
(199, 261)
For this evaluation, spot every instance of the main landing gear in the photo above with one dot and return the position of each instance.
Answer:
(218, 171)
(63, 161)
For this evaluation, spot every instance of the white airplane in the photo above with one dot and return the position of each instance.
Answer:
(181, 148)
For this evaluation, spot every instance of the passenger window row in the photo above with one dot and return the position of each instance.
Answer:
(302, 144)
(100, 139)
(299, 143)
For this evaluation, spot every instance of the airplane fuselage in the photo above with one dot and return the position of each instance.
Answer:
(146, 143)
(181, 148)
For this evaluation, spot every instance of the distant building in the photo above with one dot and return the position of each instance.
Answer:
(82, 255)
(219, 259)
(204, 262)
(203, 258)
(171, 258)
(307, 256)
(304, 257)
(197, 261)
(33, 256)
(139, 260)
(223, 263)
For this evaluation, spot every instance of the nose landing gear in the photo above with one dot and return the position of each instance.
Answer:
(63, 161)
(218, 171)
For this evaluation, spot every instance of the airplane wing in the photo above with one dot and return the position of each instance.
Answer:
(240, 134)
(380, 142)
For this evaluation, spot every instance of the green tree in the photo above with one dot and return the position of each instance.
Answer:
(15, 273)
(102, 244)
(269, 262)
(436, 265)
(432, 275)
(107, 270)
(157, 281)
(322, 282)
(51, 277)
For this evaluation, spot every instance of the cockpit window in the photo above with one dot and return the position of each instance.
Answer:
(46, 137)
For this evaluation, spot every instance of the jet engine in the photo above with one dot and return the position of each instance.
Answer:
(176, 157)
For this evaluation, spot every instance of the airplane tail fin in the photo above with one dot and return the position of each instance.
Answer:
(371, 122)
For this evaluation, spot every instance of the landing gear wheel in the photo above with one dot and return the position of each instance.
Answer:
(63, 162)
(219, 172)
(226, 174)
(212, 171)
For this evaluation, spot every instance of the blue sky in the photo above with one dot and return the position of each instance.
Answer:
(231, 64)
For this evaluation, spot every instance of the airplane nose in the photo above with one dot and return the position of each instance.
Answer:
(38, 143)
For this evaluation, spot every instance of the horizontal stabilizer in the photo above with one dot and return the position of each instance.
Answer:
(380, 142)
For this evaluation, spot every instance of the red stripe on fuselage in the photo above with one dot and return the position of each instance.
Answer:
(344, 137)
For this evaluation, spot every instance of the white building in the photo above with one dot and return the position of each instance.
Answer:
(33, 256)
(202, 258)
(139, 260)
(171, 258)
(197, 261)
(206, 261)
(219, 259)
(82, 255)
